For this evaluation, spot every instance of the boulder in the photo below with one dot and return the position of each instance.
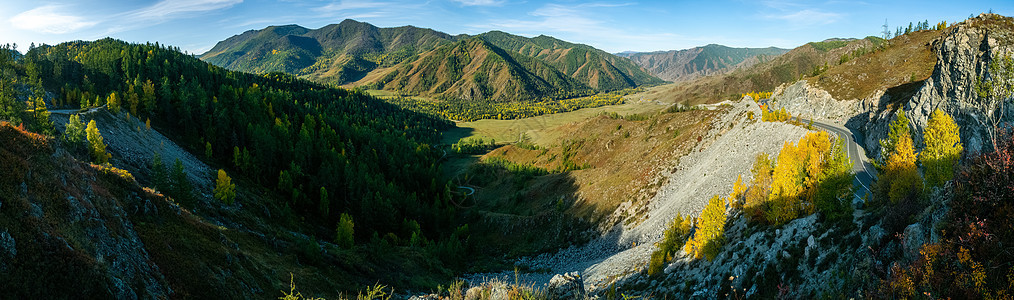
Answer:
(7, 245)
(915, 237)
(566, 286)
(811, 244)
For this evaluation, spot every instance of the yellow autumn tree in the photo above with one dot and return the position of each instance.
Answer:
(787, 174)
(905, 181)
(812, 151)
(760, 187)
(943, 148)
(799, 176)
(738, 190)
(96, 146)
(708, 231)
(114, 103)
(673, 240)
(786, 185)
(225, 190)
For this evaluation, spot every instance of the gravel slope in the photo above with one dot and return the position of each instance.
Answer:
(727, 152)
(133, 146)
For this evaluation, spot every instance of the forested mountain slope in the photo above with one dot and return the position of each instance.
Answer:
(474, 69)
(594, 67)
(309, 164)
(697, 62)
(363, 54)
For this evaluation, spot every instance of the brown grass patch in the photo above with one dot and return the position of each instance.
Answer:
(908, 58)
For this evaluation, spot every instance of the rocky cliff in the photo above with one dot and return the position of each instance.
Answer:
(962, 52)
(963, 57)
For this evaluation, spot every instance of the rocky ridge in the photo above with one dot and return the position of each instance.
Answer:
(963, 55)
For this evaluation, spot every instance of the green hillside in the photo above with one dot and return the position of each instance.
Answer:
(474, 69)
(594, 67)
(359, 54)
(304, 157)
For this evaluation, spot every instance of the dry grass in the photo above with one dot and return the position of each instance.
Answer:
(909, 58)
(623, 159)
(538, 128)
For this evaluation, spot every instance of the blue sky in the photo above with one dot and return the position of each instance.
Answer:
(196, 25)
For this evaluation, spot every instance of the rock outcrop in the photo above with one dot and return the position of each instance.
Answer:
(566, 286)
(963, 54)
(963, 57)
(807, 101)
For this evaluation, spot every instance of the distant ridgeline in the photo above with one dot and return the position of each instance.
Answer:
(324, 151)
(493, 67)
(693, 63)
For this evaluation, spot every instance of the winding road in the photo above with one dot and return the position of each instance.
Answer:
(75, 111)
(864, 170)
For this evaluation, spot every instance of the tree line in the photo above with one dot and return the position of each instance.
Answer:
(326, 152)
(467, 110)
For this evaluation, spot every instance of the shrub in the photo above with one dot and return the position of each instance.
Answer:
(375, 292)
(308, 250)
(712, 247)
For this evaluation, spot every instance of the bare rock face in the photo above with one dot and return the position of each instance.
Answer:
(806, 101)
(963, 57)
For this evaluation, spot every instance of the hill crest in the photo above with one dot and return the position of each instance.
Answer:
(358, 53)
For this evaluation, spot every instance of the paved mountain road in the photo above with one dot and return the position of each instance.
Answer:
(864, 170)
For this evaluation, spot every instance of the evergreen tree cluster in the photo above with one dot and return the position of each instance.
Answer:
(326, 151)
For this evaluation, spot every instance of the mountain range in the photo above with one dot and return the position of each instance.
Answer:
(693, 63)
(494, 66)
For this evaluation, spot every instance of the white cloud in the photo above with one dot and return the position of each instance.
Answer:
(800, 14)
(808, 17)
(480, 2)
(49, 19)
(169, 9)
(349, 5)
